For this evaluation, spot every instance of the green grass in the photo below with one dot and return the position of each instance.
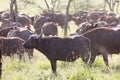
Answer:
(39, 67)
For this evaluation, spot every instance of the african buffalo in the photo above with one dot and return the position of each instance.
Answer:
(56, 17)
(8, 24)
(0, 16)
(85, 26)
(5, 16)
(60, 19)
(111, 20)
(11, 46)
(93, 16)
(50, 28)
(24, 20)
(38, 23)
(4, 32)
(24, 34)
(88, 16)
(104, 41)
(79, 17)
(56, 48)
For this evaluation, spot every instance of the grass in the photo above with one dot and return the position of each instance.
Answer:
(39, 67)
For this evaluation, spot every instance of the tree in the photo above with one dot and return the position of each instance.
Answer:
(111, 4)
(67, 14)
(54, 5)
(117, 2)
(14, 11)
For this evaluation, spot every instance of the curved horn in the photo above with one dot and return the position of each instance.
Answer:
(41, 33)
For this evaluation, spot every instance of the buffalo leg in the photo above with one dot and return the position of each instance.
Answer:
(0, 58)
(92, 59)
(105, 58)
(53, 65)
(21, 54)
(30, 53)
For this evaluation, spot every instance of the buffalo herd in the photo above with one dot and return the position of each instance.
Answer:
(97, 33)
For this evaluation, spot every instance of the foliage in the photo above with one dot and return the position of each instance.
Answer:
(85, 5)
(25, 6)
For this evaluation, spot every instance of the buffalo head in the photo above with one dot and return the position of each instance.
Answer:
(32, 41)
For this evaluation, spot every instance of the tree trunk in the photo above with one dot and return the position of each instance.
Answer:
(117, 1)
(111, 4)
(66, 21)
(14, 11)
(47, 5)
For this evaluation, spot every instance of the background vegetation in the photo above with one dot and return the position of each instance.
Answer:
(39, 67)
